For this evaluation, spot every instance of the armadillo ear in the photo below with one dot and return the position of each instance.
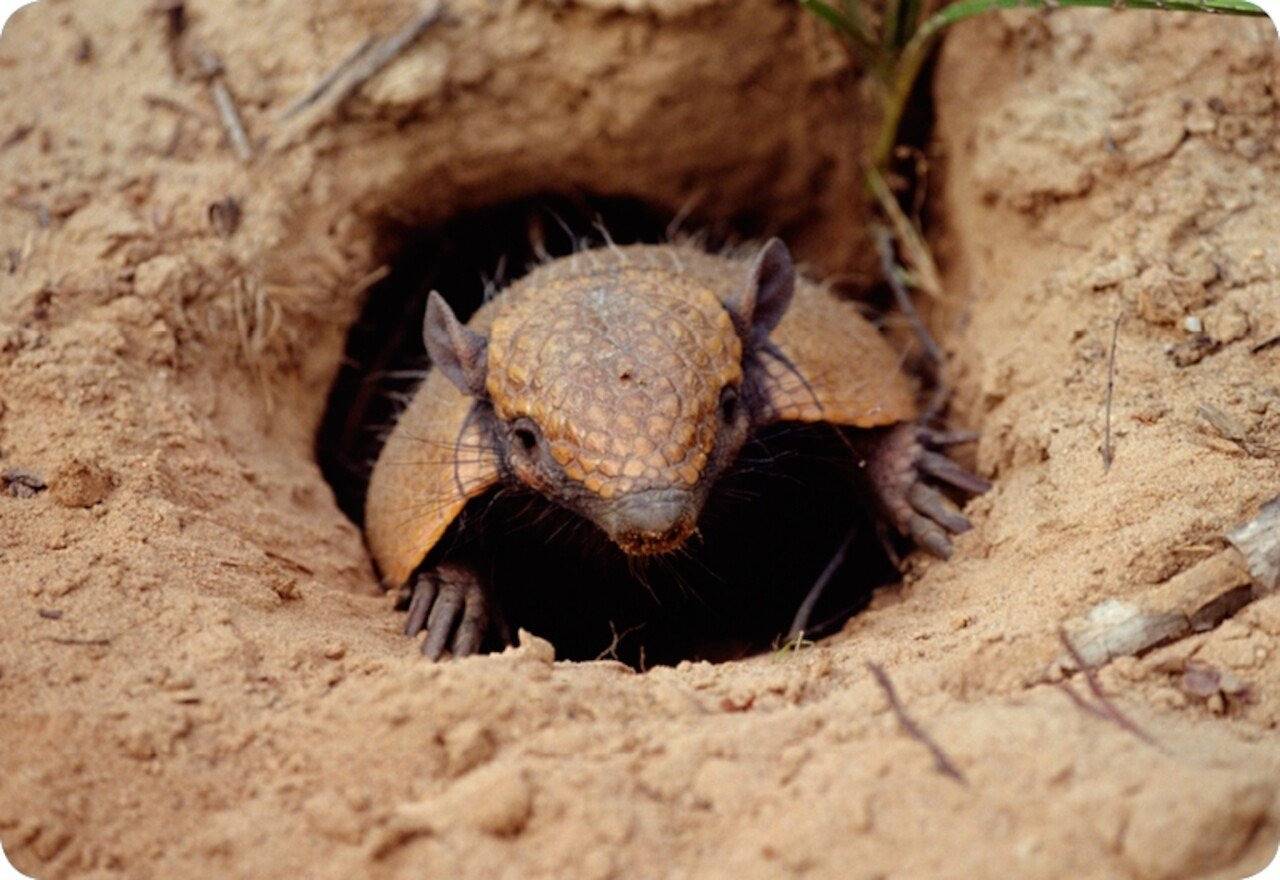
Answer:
(759, 305)
(454, 350)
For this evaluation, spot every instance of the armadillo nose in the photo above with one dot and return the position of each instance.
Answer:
(656, 521)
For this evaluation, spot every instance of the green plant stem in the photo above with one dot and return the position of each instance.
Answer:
(917, 48)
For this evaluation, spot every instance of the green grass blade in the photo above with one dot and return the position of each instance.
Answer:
(850, 26)
(917, 49)
(963, 9)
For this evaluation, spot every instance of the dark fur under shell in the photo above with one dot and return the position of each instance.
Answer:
(769, 529)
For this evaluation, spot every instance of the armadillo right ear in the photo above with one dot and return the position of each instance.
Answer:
(758, 306)
(454, 350)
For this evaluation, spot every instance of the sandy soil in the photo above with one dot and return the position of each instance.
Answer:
(199, 676)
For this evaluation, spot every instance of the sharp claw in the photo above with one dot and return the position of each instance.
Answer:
(440, 624)
(928, 535)
(943, 468)
(467, 640)
(947, 438)
(423, 594)
(471, 630)
(932, 504)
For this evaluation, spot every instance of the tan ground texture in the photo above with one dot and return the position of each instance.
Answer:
(198, 675)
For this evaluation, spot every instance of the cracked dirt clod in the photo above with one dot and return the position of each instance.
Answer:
(80, 483)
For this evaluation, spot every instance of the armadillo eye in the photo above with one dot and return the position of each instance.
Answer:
(525, 434)
(728, 403)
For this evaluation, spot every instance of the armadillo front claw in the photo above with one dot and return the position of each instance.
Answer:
(933, 504)
(934, 516)
(927, 534)
(899, 470)
(451, 604)
(942, 468)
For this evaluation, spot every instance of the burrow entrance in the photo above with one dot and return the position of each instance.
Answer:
(781, 519)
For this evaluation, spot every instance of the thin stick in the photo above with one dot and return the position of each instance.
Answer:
(918, 254)
(1265, 344)
(1081, 703)
(212, 69)
(1103, 706)
(941, 762)
(366, 62)
(611, 652)
(800, 623)
(314, 93)
(1108, 452)
(933, 352)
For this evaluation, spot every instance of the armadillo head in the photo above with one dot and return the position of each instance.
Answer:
(616, 389)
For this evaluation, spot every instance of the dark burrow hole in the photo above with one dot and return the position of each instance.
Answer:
(773, 525)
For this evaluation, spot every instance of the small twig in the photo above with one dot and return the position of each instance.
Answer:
(1108, 451)
(1231, 428)
(611, 652)
(164, 102)
(212, 70)
(1265, 344)
(1081, 703)
(917, 251)
(800, 623)
(68, 640)
(174, 13)
(933, 352)
(1102, 707)
(792, 645)
(1258, 541)
(357, 68)
(941, 762)
(314, 93)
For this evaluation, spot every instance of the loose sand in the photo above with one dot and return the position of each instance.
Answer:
(198, 674)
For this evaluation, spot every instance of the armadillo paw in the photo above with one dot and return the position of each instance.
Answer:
(902, 472)
(452, 605)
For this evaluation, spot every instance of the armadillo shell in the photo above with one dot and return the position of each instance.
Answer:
(434, 461)
(834, 367)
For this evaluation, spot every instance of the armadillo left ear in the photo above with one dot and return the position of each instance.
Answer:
(459, 353)
(758, 306)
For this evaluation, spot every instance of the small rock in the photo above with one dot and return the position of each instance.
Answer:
(1200, 680)
(21, 483)
(1193, 351)
(224, 216)
(81, 484)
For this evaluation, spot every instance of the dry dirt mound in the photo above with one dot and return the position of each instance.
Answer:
(199, 675)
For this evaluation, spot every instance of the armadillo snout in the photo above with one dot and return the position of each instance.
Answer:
(651, 522)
